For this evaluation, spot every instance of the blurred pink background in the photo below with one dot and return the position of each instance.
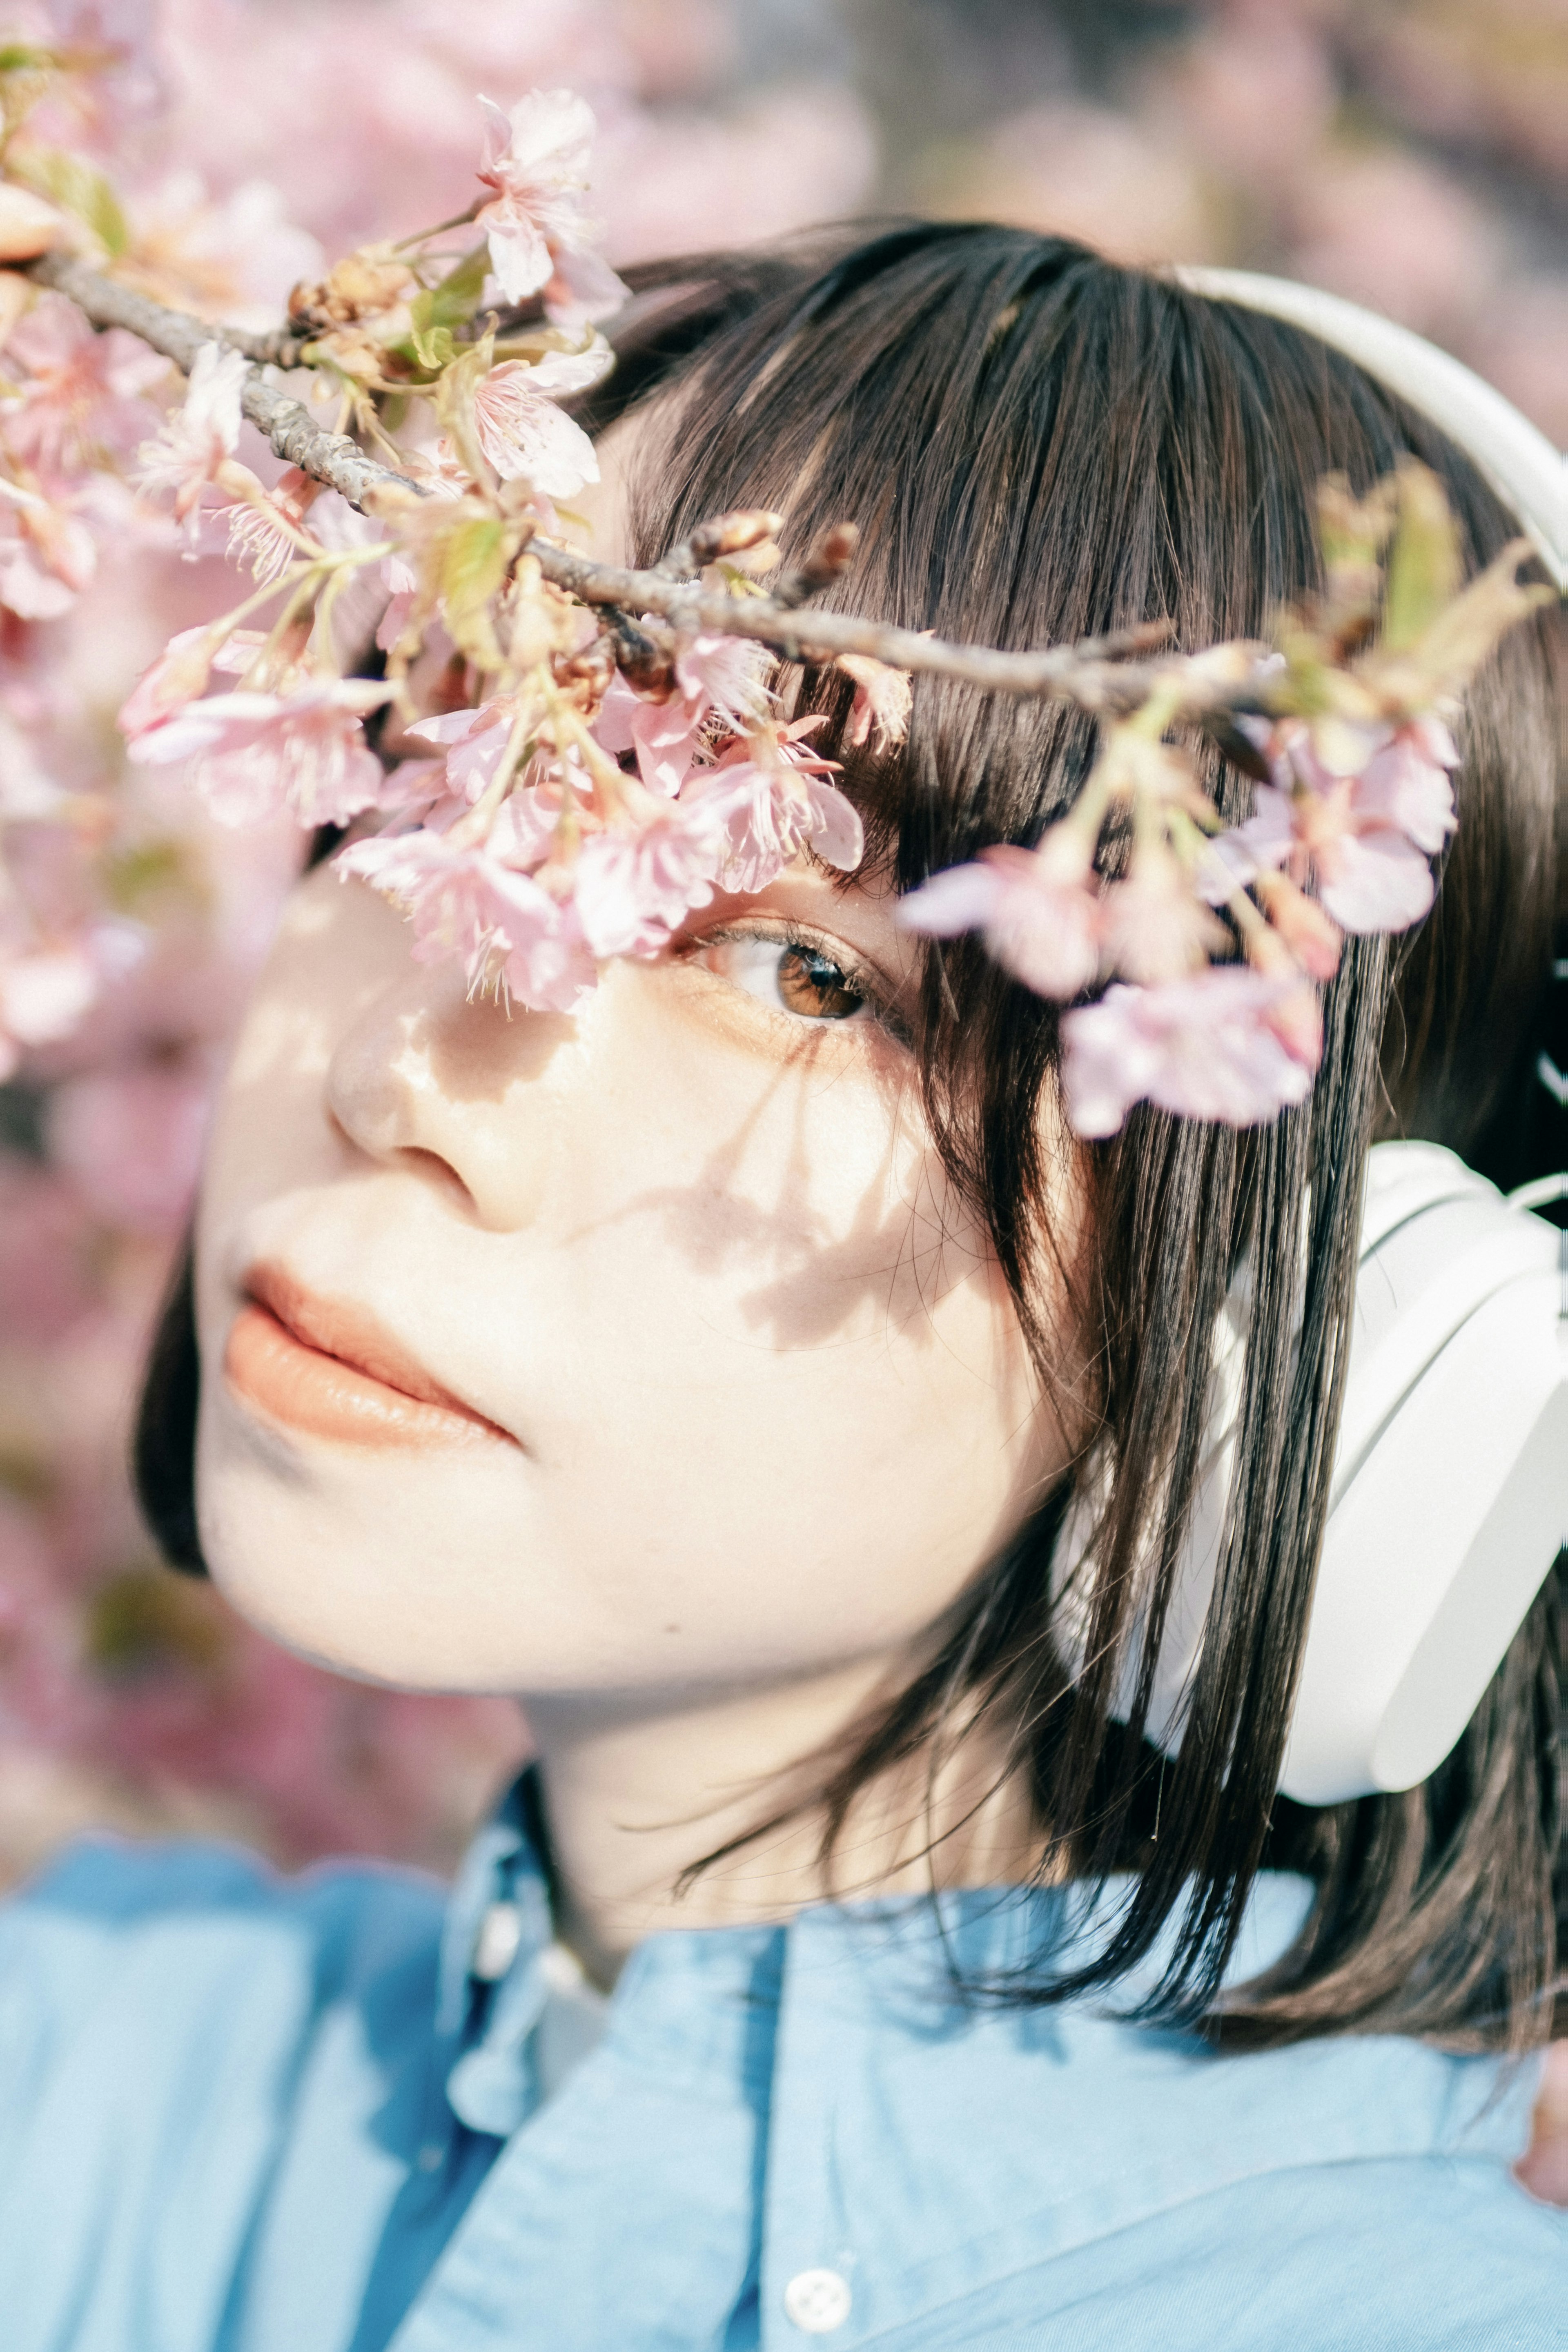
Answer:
(1413, 154)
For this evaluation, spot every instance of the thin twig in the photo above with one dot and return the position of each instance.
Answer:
(1096, 674)
(1093, 674)
(294, 434)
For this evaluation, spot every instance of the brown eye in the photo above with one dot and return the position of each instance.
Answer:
(813, 985)
(786, 975)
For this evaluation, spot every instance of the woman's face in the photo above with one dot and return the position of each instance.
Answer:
(739, 1392)
(646, 1349)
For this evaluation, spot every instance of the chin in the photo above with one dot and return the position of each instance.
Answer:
(379, 1568)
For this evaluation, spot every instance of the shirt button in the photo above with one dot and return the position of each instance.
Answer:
(818, 2302)
(495, 1946)
(430, 2156)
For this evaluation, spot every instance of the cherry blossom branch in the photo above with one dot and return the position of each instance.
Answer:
(1095, 674)
(594, 794)
(292, 432)
(1091, 674)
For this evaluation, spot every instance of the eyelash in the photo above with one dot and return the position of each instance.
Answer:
(858, 978)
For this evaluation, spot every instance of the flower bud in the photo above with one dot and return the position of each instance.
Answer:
(730, 534)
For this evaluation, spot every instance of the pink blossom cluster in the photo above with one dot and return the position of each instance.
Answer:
(582, 863)
(132, 920)
(1365, 834)
(74, 407)
(1355, 814)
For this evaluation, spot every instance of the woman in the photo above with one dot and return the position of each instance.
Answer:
(716, 1370)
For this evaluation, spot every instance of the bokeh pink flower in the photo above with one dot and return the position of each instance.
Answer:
(253, 756)
(1207, 1048)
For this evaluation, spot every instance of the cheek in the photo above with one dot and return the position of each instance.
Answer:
(787, 1390)
(337, 951)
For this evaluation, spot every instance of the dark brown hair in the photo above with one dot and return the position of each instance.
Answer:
(1037, 446)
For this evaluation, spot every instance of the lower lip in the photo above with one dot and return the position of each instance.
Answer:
(307, 1389)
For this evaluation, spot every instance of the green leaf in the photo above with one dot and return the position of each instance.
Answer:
(458, 296)
(440, 310)
(473, 566)
(433, 347)
(1423, 559)
(77, 188)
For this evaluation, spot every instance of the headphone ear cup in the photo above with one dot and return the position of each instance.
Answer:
(1449, 1497)
(1451, 1480)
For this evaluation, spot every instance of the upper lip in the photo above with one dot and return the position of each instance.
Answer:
(354, 1334)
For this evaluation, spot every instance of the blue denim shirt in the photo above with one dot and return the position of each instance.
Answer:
(240, 2114)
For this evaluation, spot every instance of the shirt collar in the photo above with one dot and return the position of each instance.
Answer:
(910, 1953)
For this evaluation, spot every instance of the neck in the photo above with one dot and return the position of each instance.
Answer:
(636, 1794)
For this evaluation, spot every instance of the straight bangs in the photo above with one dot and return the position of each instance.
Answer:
(1039, 445)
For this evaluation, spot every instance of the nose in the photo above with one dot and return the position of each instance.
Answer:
(454, 1089)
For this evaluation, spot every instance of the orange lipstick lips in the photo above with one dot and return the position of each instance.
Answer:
(328, 1369)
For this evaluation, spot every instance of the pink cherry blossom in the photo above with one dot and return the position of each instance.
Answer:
(1205, 1048)
(1369, 876)
(664, 735)
(522, 432)
(395, 618)
(716, 678)
(81, 397)
(1038, 911)
(444, 889)
(1153, 927)
(28, 794)
(543, 959)
(132, 1140)
(258, 755)
(1308, 934)
(1374, 881)
(180, 672)
(635, 884)
(523, 828)
(193, 442)
(474, 741)
(231, 254)
(723, 675)
(505, 929)
(1364, 836)
(48, 985)
(772, 800)
(255, 538)
(1406, 787)
(540, 235)
(48, 555)
(582, 287)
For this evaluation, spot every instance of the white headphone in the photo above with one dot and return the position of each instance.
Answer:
(1449, 1496)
